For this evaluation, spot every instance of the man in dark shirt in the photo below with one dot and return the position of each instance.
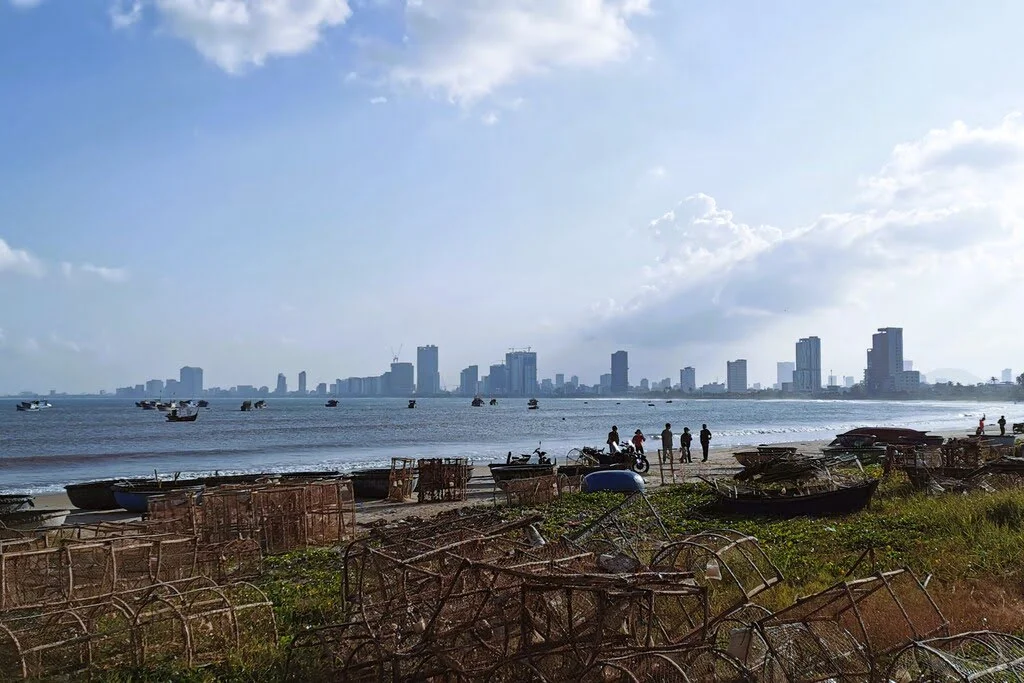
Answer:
(705, 441)
(1002, 425)
(684, 445)
(613, 440)
(666, 443)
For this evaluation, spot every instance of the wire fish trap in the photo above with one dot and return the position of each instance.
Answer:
(981, 656)
(442, 479)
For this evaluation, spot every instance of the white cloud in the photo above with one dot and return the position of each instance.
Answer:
(490, 118)
(19, 261)
(71, 271)
(25, 4)
(235, 34)
(378, 100)
(466, 49)
(657, 172)
(123, 15)
(939, 211)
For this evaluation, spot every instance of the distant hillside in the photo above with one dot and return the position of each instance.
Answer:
(954, 375)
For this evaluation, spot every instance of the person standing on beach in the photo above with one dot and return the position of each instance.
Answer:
(1002, 425)
(705, 441)
(685, 439)
(666, 443)
(638, 441)
(613, 440)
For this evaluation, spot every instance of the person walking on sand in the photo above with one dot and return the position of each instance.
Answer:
(666, 443)
(685, 439)
(1002, 425)
(638, 441)
(981, 426)
(613, 440)
(705, 441)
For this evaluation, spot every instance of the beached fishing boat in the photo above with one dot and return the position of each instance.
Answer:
(898, 436)
(135, 498)
(770, 503)
(503, 473)
(34, 519)
(97, 495)
(371, 484)
(12, 502)
(764, 454)
(864, 447)
(584, 470)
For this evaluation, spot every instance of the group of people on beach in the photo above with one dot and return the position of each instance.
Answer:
(667, 440)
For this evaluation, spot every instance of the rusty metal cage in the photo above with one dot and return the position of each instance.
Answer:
(442, 479)
(402, 479)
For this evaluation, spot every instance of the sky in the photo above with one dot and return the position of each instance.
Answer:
(264, 186)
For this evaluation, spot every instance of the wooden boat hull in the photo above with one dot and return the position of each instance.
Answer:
(372, 484)
(753, 458)
(34, 519)
(96, 495)
(584, 470)
(136, 499)
(14, 502)
(897, 436)
(827, 503)
(501, 473)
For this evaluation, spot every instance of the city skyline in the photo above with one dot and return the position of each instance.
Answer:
(886, 371)
(309, 191)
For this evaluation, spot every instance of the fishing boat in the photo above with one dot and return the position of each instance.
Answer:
(503, 473)
(165, 407)
(203, 404)
(371, 484)
(412, 403)
(770, 503)
(96, 495)
(135, 498)
(494, 402)
(260, 405)
(32, 406)
(477, 402)
(146, 405)
(33, 519)
(246, 406)
(173, 416)
(331, 403)
(584, 470)
(764, 454)
(897, 436)
(12, 502)
(532, 404)
(864, 447)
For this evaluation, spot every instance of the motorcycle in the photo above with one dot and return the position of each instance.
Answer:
(626, 454)
(524, 458)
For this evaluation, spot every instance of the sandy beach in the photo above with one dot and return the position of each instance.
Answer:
(481, 489)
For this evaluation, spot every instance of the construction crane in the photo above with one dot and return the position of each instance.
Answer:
(394, 356)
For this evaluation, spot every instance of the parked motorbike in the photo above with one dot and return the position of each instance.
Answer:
(626, 454)
(524, 458)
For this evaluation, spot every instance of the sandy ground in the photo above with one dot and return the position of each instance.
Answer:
(481, 489)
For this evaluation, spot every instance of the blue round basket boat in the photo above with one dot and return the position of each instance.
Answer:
(613, 480)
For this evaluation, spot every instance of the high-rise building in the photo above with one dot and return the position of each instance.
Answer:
(605, 383)
(497, 380)
(400, 380)
(784, 372)
(282, 385)
(190, 381)
(172, 388)
(645, 385)
(302, 383)
(468, 380)
(807, 372)
(321, 389)
(688, 380)
(155, 387)
(908, 365)
(848, 381)
(1008, 376)
(522, 372)
(620, 373)
(885, 360)
(428, 379)
(833, 381)
(736, 376)
(559, 380)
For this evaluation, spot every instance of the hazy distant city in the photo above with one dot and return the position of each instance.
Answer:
(887, 374)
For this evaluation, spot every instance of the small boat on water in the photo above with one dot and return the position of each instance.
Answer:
(203, 404)
(32, 406)
(494, 402)
(246, 406)
(260, 405)
(12, 502)
(331, 403)
(34, 519)
(412, 403)
(146, 405)
(174, 416)
(768, 503)
(477, 402)
(532, 404)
